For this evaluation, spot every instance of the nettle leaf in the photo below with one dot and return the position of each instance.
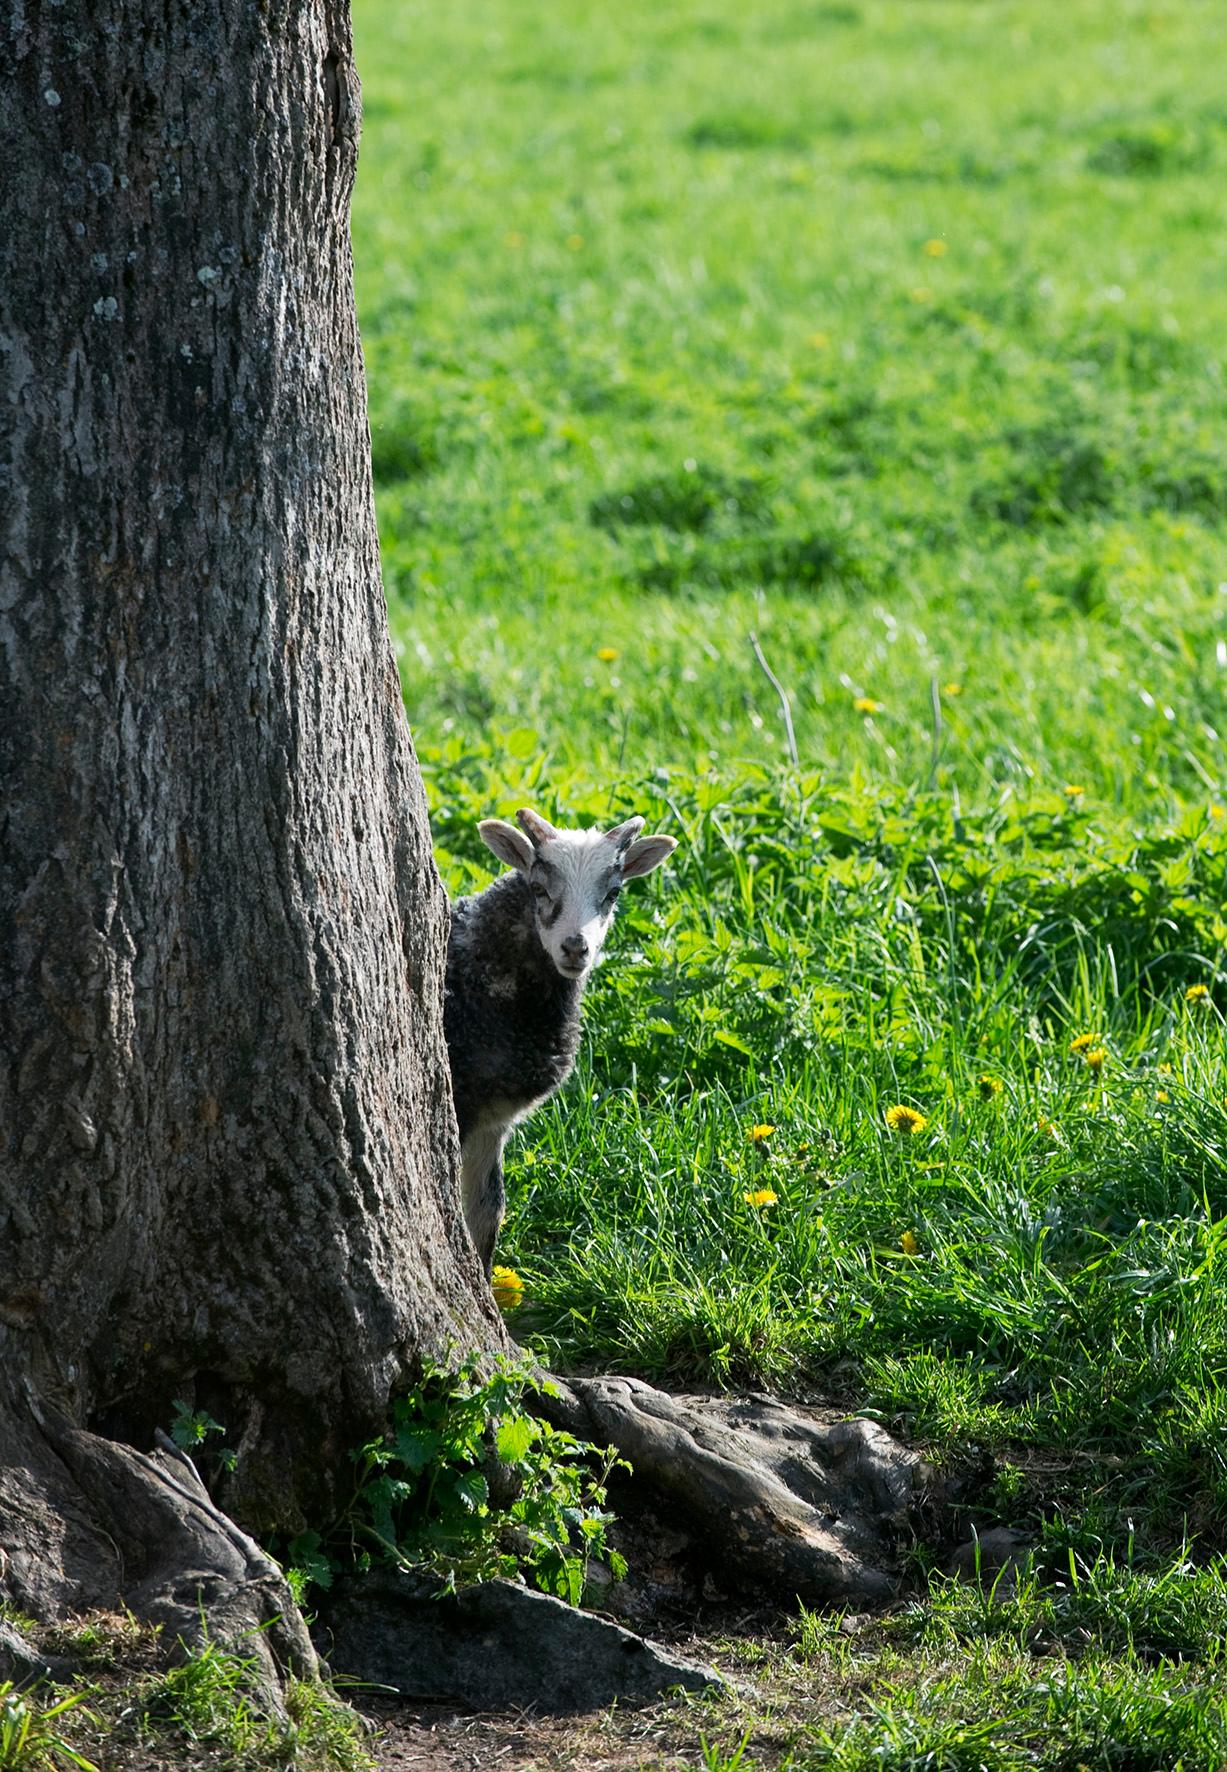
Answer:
(471, 1490)
(562, 1576)
(373, 1455)
(502, 1389)
(192, 1426)
(464, 1454)
(515, 1437)
(306, 1553)
(418, 1407)
(417, 1447)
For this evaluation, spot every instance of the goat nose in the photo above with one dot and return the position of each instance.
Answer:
(574, 947)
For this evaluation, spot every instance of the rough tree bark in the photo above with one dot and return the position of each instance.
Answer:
(227, 1151)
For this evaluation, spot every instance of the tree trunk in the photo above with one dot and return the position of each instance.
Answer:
(227, 1149)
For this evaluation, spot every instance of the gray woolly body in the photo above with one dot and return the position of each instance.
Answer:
(512, 1024)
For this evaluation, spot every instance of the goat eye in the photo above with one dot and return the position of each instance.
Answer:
(612, 896)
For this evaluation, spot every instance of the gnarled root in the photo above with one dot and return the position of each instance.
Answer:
(774, 1498)
(89, 1524)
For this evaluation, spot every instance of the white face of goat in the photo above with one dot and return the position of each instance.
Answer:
(575, 877)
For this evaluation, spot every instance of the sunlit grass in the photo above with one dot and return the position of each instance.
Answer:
(831, 325)
(891, 335)
(660, 353)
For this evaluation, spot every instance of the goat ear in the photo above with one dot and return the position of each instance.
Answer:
(646, 854)
(622, 834)
(539, 830)
(507, 843)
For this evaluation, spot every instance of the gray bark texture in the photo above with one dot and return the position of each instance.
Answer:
(228, 1166)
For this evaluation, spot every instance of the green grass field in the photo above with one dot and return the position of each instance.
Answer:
(893, 334)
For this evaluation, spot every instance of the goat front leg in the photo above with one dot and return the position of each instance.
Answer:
(482, 1192)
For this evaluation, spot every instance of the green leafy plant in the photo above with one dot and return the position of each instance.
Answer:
(191, 1428)
(468, 1484)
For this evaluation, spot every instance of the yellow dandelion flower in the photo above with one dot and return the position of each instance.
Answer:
(865, 704)
(575, 242)
(909, 1243)
(952, 689)
(508, 1288)
(1082, 1042)
(935, 249)
(1162, 1095)
(907, 1120)
(1072, 791)
(989, 1086)
(1048, 1128)
(820, 340)
(1197, 993)
(1216, 812)
(1095, 1057)
(759, 1133)
(762, 1196)
(607, 654)
(1165, 1070)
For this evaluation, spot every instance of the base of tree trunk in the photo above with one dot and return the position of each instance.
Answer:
(763, 1499)
(88, 1524)
(774, 1499)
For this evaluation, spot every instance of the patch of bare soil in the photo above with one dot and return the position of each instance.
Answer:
(438, 1738)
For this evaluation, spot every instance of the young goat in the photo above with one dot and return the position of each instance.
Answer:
(518, 958)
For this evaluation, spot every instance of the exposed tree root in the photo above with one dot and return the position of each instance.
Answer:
(497, 1644)
(769, 1498)
(773, 1498)
(89, 1524)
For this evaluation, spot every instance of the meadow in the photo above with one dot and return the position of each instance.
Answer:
(888, 335)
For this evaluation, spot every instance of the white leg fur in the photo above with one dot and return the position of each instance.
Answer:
(480, 1154)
